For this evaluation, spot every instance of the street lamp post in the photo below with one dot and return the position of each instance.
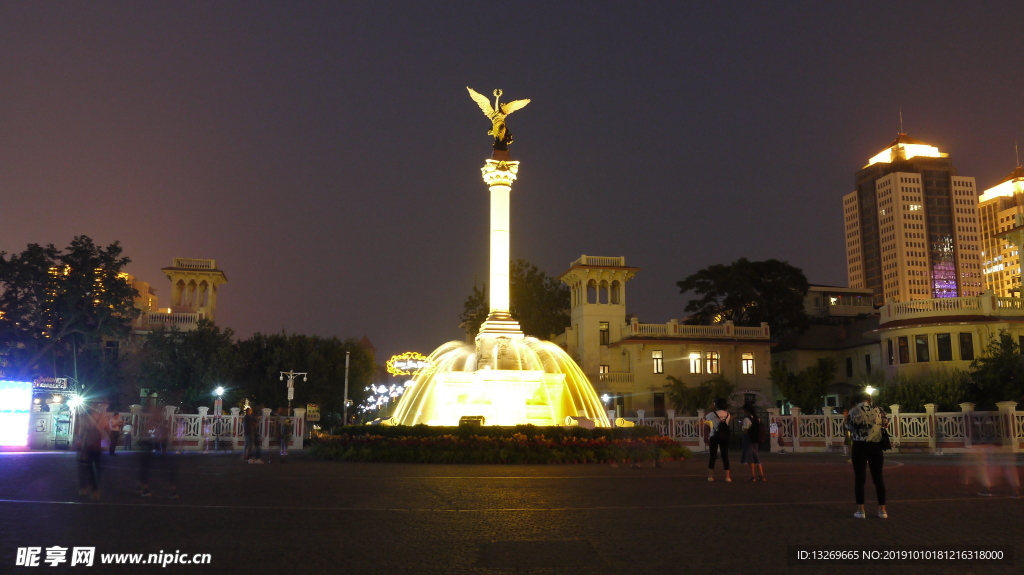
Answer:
(345, 410)
(217, 429)
(291, 385)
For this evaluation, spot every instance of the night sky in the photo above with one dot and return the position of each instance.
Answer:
(327, 154)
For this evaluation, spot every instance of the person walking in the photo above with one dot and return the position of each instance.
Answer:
(115, 424)
(88, 438)
(753, 429)
(719, 420)
(126, 432)
(866, 424)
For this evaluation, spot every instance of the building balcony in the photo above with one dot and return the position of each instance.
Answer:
(674, 329)
(195, 264)
(987, 304)
(158, 319)
(616, 377)
(619, 262)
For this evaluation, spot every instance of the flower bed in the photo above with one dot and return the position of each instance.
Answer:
(495, 445)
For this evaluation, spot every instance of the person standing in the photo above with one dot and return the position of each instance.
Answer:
(866, 423)
(126, 432)
(719, 420)
(752, 432)
(249, 423)
(115, 431)
(284, 433)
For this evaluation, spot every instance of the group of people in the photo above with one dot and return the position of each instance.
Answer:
(866, 436)
(251, 431)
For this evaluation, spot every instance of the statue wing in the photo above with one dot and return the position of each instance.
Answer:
(509, 107)
(481, 101)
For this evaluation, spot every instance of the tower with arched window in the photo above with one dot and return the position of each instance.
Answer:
(194, 284)
(598, 309)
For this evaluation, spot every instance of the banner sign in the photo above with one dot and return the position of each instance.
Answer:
(312, 412)
(50, 383)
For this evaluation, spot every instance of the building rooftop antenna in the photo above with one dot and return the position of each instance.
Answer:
(901, 120)
(1016, 152)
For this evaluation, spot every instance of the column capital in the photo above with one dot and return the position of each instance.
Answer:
(500, 172)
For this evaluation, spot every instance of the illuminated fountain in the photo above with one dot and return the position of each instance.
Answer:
(505, 377)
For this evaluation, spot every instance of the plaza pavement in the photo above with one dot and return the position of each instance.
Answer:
(307, 516)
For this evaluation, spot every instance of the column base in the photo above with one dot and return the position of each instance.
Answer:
(501, 323)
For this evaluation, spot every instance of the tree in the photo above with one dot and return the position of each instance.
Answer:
(539, 302)
(54, 301)
(184, 367)
(806, 389)
(685, 399)
(262, 358)
(998, 374)
(748, 293)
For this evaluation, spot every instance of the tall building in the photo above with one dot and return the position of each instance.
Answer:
(997, 212)
(912, 227)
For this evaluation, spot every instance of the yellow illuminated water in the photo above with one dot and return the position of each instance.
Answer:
(507, 380)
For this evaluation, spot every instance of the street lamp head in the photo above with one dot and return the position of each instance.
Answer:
(282, 376)
(305, 378)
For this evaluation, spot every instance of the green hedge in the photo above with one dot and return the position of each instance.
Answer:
(422, 444)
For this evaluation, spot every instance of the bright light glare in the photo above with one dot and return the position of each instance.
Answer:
(219, 391)
(15, 405)
(606, 398)
(76, 402)
(870, 390)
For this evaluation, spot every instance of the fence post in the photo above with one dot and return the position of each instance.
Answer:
(670, 419)
(773, 417)
(640, 416)
(1006, 413)
(933, 438)
(795, 412)
(967, 408)
(611, 417)
(234, 427)
(266, 428)
(700, 430)
(299, 428)
(895, 410)
(204, 431)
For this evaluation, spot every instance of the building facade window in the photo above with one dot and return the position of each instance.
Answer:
(695, 362)
(659, 405)
(904, 349)
(867, 363)
(659, 361)
(921, 348)
(747, 363)
(604, 332)
(711, 362)
(966, 346)
(849, 367)
(892, 358)
(602, 369)
(944, 346)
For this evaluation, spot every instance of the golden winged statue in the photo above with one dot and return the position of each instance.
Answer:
(497, 114)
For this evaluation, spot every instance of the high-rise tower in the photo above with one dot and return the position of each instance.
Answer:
(911, 226)
(997, 214)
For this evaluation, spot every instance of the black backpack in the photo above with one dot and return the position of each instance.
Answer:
(754, 431)
(723, 432)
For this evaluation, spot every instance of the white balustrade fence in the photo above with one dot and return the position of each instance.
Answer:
(928, 432)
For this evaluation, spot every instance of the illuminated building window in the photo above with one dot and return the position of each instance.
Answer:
(695, 362)
(747, 362)
(904, 350)
(602, 369)
(603, 326)
(711, 362)
(659, 365)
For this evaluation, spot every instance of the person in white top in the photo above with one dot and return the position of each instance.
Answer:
(719, 419)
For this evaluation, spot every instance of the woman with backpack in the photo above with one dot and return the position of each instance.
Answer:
(752, 430)
(719, 420)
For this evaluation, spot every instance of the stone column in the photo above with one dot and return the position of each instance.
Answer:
(795, 412)
(773, 417)
(670, 421)
(967, 408)
(640, 416)
(933, 437)
(1006, 413)
(611, 417)
(298, 428)
(499, 172)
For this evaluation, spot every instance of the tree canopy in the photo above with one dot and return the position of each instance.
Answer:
(748, 293)
(539, 302)
(685, 399)
(998, 373)
(806, 389)
(54, 300)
